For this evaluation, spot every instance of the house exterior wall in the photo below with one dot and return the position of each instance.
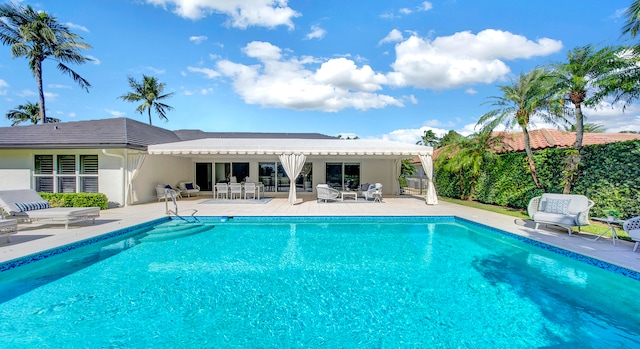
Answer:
(161, 169)
(372, 170)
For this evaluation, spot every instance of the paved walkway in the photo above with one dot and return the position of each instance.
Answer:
(37, 237)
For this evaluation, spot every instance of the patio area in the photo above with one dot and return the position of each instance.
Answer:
(37, 237)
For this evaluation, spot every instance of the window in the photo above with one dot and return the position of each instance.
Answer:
(343, 175)
(274, 177)
(43, 173)
(63, 177)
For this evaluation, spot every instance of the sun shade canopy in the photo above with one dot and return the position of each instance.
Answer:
(267, 146)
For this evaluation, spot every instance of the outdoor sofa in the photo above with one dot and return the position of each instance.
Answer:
(27, 205)
(564, 210)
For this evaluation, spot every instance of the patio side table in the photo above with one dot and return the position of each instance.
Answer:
(610, 223)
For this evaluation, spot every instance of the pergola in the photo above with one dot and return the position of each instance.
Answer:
(293, 153)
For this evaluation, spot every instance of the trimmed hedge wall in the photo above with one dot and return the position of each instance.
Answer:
(609, 175)
(76, 199)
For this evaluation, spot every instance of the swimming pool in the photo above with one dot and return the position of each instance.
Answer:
(316, 282)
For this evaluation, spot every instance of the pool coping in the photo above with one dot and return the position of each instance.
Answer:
(14, 263)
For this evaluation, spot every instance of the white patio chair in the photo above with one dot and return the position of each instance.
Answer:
(189, 188)
(326, 193)
(374, 192)
(235, 190)
(632, 227)
(250, 189)
(222, 190)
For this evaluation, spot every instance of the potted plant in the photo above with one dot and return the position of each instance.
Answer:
(612, 213)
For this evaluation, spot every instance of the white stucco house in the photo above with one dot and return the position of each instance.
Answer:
(125, 159)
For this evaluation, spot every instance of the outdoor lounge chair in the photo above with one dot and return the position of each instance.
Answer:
(326, 193)
(26, 205)
(222, 189)
(7, 226)
(374, 192)
(164, 192)
(632, 227)
(189, 188)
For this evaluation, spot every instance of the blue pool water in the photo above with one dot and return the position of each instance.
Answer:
(415, 282)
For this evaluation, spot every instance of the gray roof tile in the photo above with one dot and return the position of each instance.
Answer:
(114, 133)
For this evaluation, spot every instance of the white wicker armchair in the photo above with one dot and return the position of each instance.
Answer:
(326, 193)
(632, 227)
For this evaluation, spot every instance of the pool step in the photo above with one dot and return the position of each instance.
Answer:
(175, 231)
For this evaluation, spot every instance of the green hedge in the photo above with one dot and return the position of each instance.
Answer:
(609, 175)
(76, 199)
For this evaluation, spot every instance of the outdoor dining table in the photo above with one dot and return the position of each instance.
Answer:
(610, 223)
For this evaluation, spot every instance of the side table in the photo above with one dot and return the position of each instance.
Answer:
(347, 193)
(610, 223)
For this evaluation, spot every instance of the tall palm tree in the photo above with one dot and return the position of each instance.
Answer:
(38, 36)
(588, 77)
(526, 97)
(591, 75)
(149, 91)
(28, 112)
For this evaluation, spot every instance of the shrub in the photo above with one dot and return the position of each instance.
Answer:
(76, 199)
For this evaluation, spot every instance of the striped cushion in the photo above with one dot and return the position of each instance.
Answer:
(30, 206)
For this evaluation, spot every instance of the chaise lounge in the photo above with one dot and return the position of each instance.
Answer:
(27, 205)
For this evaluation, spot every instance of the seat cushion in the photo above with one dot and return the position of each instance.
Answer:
(554, 218)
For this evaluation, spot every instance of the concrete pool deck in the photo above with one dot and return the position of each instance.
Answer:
(37, 237)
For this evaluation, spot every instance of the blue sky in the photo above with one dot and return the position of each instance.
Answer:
(372, 69)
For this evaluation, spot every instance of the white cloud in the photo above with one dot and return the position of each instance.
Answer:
(405, 11)
(3, 83)
(114, 113)
(209, 73)
(471, 91)
(316, 33)
(198, 39)
(71, 114)
(157, 70)
(26, 93)
(463, 58)
(206, 91)
(287, 82)
(58, 86)
(241, 13)
(412, 135)
(426, 6)
(76, 26)
(394, 36)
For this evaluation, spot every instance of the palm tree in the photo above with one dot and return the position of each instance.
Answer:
(429, 138)
(149, 91)
(38, 36)
(526, 97)
(632, 25)
(28, 112)
(589, 76)
(466, 156)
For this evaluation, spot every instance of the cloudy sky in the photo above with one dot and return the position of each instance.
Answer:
(372, 69)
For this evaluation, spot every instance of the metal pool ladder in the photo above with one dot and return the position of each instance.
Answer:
(175, 206)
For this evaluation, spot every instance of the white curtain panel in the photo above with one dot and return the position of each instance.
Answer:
(427, 165)
(292, 164)
(134, 162)
(397, 172)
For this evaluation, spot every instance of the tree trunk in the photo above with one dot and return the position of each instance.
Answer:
(149, 112)
(530, 159)
(38, 74)
(579, 126)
